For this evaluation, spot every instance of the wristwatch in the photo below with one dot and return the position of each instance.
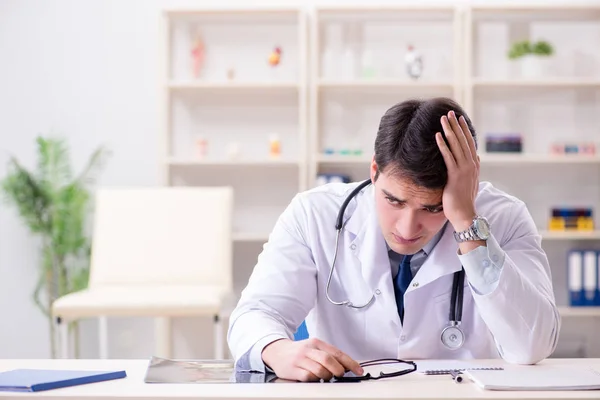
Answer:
(479, 230)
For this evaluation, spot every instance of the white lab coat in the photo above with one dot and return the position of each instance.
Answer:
(518, 320)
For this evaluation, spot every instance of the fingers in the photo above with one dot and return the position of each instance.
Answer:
(468, 137)
(460, 134)
(347, 363)
(329, 366)
(453, 137)
(448, 157)
(311, 370)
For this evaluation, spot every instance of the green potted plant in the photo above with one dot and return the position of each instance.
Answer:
(532, 56)
(55, 204)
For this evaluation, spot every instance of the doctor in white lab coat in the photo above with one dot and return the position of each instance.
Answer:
(426, 203)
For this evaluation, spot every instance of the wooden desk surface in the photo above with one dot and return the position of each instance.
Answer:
(411, 386)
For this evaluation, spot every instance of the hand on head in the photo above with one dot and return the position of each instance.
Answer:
(463, 170)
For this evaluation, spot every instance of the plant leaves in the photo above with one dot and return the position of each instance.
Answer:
(57, 207)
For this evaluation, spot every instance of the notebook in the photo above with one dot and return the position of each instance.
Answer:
(35, 380)
(537, 377)
(442, 367)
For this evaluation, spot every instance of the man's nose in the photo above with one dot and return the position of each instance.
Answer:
(408, 224)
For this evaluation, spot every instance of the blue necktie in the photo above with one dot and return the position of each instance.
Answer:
(401, 284)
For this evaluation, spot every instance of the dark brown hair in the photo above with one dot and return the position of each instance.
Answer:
(405, 145)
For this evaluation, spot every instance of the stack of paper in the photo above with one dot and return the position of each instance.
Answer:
(537, 377)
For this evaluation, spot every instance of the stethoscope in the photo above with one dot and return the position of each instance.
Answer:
(452, 335)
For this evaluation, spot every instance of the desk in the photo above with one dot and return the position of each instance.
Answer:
(412, 386)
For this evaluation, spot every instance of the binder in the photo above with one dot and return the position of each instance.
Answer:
(597, 299)
(583, 278)
(575, 277)
(36, 380)
(590, 280)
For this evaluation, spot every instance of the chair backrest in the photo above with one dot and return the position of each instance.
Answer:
(163, 236)
(302, 332)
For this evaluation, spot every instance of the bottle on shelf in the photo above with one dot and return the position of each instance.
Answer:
(274, 146)
(348, 63)
(367, 66)
(413, 62)
(201, 148)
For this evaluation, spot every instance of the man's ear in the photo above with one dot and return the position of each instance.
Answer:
(374, 170)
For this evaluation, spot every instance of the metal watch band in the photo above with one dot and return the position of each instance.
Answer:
(466, 235)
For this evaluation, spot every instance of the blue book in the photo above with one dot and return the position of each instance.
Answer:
(35, 380)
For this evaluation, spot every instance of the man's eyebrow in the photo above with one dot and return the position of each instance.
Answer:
(438, 205)
(391, 196)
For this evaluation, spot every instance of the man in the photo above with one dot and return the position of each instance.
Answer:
(424, 220)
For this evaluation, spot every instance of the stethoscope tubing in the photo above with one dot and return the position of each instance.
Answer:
(456, 298)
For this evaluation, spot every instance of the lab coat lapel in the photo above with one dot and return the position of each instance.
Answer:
(443, 260)
(368, 244)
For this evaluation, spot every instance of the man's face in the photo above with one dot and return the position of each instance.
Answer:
(409, 215)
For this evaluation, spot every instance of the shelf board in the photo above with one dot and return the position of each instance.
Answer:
(362, 8)
(541, 7)
(227, 11)
(486, 158)
(251, 236)
(590, 311)
(240, 85)
(225, 163)
(570, 235)
(531, 83)
(547, 235)
(383, 83)
(510, 158)
(340, 159)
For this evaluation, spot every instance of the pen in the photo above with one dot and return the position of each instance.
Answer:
(456, 376)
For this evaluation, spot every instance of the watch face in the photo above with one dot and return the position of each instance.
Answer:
(483, 228)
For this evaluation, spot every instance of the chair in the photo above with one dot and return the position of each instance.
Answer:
(302, 332)
(159, 252)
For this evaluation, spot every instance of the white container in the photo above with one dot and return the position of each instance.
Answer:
(535, 67)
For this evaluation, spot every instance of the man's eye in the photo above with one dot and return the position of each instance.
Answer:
(435, 210)
(392, 200)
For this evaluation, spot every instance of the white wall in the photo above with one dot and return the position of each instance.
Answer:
(86, 70)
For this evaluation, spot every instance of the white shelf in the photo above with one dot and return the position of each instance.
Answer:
(383, 83)
(524, 158)
(253, 11)
(226, 85)
(537, 8)
(570, 235)
(541, 83)
(251, 237)
(486, 158)
(579, 311)
(340, 159)
(233, 163)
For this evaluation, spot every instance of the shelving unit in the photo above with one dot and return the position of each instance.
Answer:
(236, 103)
(502, 159)
(579, 311)
(570, 235)
(559, 103)
(242, 86)
(336, 83)
(355, 80)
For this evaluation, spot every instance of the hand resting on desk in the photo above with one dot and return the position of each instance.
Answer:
(308, 360)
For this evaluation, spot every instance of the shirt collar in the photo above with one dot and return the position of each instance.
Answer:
(428, 248)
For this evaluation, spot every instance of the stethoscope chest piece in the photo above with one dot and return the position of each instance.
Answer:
(453, 337)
